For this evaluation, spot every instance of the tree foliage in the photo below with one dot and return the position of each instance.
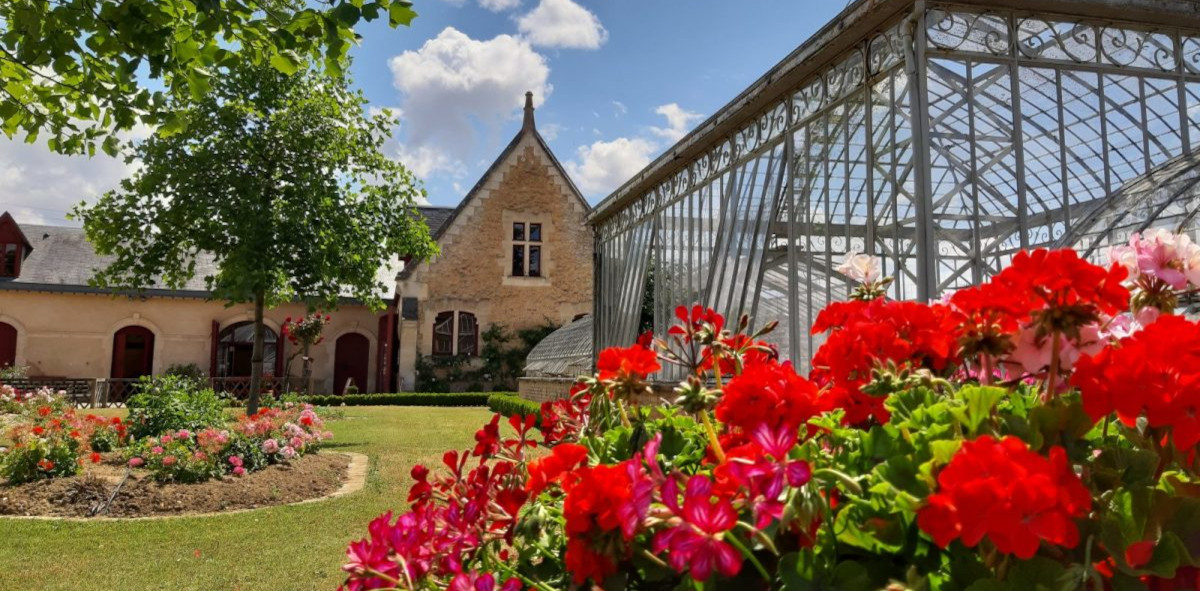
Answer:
(79, 70)
(281, 180)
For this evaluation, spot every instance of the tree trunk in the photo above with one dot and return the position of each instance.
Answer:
(256, 358)
(307, 371)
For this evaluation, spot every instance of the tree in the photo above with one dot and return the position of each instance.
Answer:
(282, 179)
(80, 70)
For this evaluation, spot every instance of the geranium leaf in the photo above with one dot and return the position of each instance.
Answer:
(981, 400)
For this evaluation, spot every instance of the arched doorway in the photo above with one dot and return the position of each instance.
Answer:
(350, 362)
(8, 345)
(133, 353)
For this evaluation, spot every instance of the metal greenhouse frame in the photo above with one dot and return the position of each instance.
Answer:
(941, 137)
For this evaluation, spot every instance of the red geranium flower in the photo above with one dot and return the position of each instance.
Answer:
(1155, 372)
(552, 468)
(626, 363)
(865, 335)
(769, 394)
(1008, 493)
(43, 411)
(95, 457)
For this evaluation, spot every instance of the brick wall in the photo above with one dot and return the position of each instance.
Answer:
(544, 389)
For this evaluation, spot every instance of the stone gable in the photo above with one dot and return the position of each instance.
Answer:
(473, 271)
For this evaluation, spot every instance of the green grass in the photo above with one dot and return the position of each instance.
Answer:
(277, 549)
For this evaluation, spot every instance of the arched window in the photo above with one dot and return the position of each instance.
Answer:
(235, 349)
(8, 345)
(468, 334)
(451, 338)
(443, 334)
(133, 353)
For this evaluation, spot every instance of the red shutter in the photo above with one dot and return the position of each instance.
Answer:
(216, 337)
(118, 360)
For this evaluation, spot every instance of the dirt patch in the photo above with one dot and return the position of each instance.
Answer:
(309, 477)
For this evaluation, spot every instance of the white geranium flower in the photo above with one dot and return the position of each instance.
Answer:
(860, 267)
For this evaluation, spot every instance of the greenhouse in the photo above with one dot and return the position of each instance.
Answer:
(942, 138)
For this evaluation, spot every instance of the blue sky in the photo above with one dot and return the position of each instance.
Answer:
(617, 82)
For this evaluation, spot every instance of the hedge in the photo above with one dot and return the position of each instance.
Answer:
(401, 399)
(512, 404)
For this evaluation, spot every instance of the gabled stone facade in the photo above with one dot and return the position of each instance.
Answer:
(474, 272)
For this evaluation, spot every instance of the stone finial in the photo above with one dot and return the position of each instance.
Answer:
(528, 111)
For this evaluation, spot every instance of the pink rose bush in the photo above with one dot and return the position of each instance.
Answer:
(1038, 431)
(273, 436)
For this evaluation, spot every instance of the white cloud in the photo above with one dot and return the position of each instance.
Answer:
(453, 85)
(604, 166)
(40, 186)
(562, 23)
(620, 108)
(499, 5)
(679, 122)
(550, 131)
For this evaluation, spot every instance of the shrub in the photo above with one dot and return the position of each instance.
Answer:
(182, 456)
(401, 399)
(166, 404)
(34, 458)
(273, 436)
(107, 434)
(185, 370)
(49, 441)
(14, 372)
(512, 404)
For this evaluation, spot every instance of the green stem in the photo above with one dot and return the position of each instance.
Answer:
(736, 543)
(532, 583)
(713, 441)
(624, 417)
(761, 537)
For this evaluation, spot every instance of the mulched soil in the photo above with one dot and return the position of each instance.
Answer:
(309, 477)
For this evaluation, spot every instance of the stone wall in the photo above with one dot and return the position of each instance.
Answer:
(473, 272)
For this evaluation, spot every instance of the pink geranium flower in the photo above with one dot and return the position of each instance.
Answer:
(697, 545)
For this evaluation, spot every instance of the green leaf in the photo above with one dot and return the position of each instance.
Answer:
(401, 13)
(287, 62)
(981, 400)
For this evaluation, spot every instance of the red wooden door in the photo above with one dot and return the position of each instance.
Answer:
(351, 362)
(8, 345)
(133, 352)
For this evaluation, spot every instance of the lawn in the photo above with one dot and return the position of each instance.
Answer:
(277, 549)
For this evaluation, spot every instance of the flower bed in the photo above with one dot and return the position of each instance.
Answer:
(1035, 432)
(194, 443)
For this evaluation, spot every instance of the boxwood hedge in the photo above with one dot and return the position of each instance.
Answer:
(401, 399)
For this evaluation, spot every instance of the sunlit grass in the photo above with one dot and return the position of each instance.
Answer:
(276, 549)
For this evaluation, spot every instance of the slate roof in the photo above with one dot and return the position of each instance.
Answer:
(436, 217)
(566, 352)
(62, 260)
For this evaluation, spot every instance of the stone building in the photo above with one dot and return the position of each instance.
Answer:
(517, 251)
(56, 325)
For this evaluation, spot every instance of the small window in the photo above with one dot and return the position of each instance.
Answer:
(10, 259)
(526, 250)
(408, 308)
(468, 334)
(443, 334)
(535, 261)
(518, 260)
